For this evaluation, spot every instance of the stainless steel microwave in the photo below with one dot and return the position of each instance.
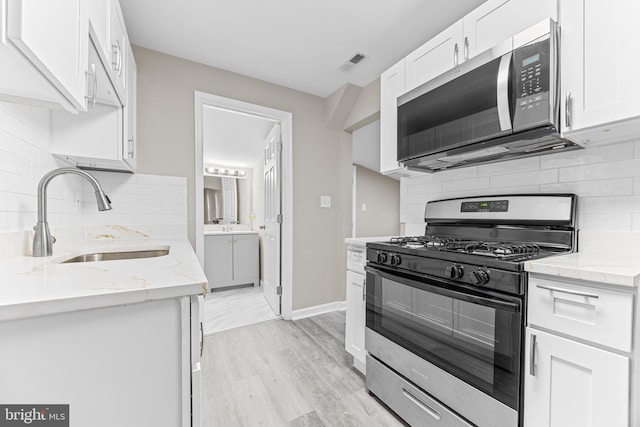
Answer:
(501, 104)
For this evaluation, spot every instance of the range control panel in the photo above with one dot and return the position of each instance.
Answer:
(485, 206)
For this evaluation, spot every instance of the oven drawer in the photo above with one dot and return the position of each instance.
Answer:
(599, 315)
(409, 402)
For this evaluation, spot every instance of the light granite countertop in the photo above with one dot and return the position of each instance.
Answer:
(611, 258)
(38, 286)
(362, 241)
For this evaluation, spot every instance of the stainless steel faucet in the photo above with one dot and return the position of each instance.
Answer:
(43, 240)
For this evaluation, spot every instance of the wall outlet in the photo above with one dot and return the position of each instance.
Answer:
(325, 201)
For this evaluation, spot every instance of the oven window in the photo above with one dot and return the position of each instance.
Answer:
(476, 342)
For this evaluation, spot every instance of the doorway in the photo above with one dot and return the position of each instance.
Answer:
(248, 217)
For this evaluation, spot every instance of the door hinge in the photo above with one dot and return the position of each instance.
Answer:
(279, 146)
(279, 290)
(279, 218)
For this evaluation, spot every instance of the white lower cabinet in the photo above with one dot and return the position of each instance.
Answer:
(579, 356)
(231, 259)
(356, 307)
(570, 384)
(129, 365)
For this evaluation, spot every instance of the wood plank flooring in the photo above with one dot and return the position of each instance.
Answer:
(284, 373)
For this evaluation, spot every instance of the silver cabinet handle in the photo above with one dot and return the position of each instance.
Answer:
(466, 48)
(567, 110)
(568, 291)
(532, 356)
(426, 408)
(201, 339)
(131, 148)
(94, 76)
(117, 61)
(364, 290)
(455, 55)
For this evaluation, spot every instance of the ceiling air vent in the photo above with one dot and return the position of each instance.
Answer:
(352, 61)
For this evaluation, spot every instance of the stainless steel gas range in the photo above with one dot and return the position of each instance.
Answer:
(445, 312)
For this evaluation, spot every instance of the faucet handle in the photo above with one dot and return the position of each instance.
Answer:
(53, 239)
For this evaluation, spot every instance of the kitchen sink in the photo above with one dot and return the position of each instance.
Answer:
(113, 256)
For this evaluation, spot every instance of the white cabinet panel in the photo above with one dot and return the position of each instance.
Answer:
(118, 47)
(355, 319)
(495, 21)
(245, 258)
(129, 152)
(392, 85)
(218, 255)
(598, 55)
(574, 385)
(436, 56)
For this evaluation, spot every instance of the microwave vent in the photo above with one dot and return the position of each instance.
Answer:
(353, 60)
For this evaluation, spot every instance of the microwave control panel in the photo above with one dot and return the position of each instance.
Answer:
(532, 78)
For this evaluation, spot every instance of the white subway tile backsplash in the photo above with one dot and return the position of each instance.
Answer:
(624, 168)
(548, 176)
(604, 187)
(598, 154)
(605, 178)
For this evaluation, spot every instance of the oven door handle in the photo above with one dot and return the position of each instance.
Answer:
(499, 304)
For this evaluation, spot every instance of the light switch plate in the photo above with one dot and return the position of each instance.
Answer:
(364, 207)
(325, 201)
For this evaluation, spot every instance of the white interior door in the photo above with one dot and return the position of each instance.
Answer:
(272, 219)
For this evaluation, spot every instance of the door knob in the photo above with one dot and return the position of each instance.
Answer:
(261, 227)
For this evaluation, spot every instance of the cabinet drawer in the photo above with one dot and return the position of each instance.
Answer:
(598, 315)
(409, 402)
(356, 259)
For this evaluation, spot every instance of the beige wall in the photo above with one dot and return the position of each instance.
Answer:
(166, 147)
(381, 194)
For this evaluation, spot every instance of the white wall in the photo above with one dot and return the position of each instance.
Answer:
(25, 143)
(606, 179)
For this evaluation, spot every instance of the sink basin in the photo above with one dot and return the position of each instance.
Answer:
(112, 256)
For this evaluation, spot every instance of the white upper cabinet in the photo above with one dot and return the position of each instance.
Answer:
(42, 52)
(436, 56)
(599, 57)
(392, 85)
(98, 12)
(119, 47)
(496, 20)
(130, 154)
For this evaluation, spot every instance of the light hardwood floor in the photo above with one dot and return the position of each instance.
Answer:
(284, 373)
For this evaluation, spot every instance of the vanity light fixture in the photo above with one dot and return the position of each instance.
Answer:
(218, 171)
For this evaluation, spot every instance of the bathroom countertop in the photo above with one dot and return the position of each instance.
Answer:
(38, 286)
(224, 233)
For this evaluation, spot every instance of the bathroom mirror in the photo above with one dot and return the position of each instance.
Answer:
(227, 200)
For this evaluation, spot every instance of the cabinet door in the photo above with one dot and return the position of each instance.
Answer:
(218, 259)
(245, 258)
(98, 12)
(392, 85)
(598, 56)
(574, 385)
(436, 56)
(355, 319)
(53, 36)
(129, 146)
(119, 47)
(496, 20)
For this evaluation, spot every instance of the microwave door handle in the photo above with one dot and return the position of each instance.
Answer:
(503, 92)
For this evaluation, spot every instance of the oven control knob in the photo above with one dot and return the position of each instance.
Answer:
(395, 260)
(480, 277)
(454, 271)
(382, 257)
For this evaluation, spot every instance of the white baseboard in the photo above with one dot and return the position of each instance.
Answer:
(318, 309)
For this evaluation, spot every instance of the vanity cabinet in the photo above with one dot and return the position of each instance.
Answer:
(128, 365)
(356, 306)
(578, 355)
(231, 259)
(599, 63)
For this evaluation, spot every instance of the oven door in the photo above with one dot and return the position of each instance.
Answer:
(474, 336)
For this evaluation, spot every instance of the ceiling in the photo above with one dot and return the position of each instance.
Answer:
(233, 139)
(294, 43)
